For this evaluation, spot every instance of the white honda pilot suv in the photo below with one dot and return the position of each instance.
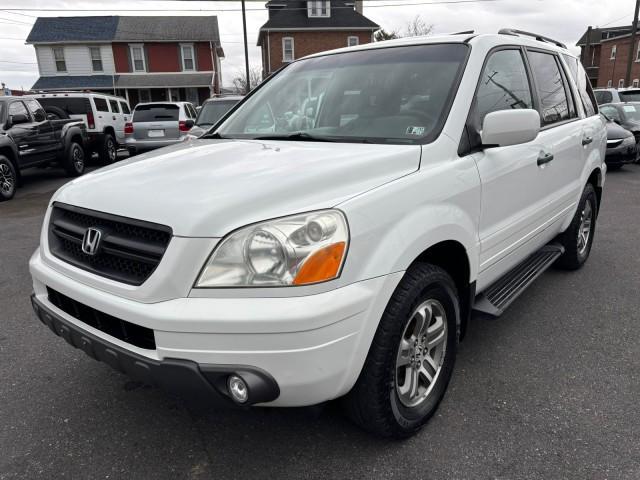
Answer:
(333, 234)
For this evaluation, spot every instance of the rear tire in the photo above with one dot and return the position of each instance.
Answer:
(8, 179)
(74, 163)
(578, 238)
(108, 153)
(389, 398)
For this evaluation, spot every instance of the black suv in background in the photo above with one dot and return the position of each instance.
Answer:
(28, 138)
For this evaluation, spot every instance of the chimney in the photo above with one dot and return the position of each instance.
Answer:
(359, 6)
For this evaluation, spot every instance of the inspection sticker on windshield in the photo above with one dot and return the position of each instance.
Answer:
(629, 108)
(419, 131)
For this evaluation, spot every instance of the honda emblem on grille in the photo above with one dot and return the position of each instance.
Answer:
(91, 241)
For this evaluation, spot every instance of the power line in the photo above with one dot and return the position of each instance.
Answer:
(395, 5)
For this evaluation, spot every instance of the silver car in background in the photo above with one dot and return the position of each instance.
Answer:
(212, 111)
(158, 124)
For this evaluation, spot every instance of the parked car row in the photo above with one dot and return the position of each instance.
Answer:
(623, 133)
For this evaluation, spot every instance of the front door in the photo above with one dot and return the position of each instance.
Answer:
(24, 133)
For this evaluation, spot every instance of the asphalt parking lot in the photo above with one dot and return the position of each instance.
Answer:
(550, 390)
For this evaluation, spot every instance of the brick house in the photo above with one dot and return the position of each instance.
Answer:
(139, 58)
(299, 28)
(604, 53)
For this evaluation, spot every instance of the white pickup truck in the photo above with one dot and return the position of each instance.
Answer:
(334, 233)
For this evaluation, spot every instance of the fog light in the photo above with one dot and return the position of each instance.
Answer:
(238, 389)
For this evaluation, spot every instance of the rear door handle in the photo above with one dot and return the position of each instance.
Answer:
(586, 140)
(544, 158)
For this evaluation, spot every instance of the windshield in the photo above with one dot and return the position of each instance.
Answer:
(632, 112)
(211, 112)
(388, 95)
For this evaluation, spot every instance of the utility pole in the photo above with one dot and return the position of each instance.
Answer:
(632, 45)
(246, 47)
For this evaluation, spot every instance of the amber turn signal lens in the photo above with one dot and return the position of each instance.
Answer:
(322, 265)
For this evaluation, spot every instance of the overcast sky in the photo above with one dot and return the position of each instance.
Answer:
(564, 20)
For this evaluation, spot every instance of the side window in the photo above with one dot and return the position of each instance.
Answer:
(36, 111)
(504, 85)
(125, 108)
(552, 89)
(114, 106)
(584, 85)
(602, 96)
(18, 108)
(101, 104)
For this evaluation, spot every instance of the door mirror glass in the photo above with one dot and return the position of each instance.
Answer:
(510, 127)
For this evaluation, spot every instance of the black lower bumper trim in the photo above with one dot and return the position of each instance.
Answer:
(192, 381)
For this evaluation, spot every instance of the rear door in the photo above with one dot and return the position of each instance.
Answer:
(103, 114)
(118, 120)
(156, 121)
(562, 159)
(46, 142)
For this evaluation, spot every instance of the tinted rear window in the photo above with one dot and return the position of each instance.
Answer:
(101, 104)
(125, 108)
(156, 113)
(71, 106)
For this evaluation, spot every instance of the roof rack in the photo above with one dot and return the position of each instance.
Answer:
(540, 38)
(465, 32)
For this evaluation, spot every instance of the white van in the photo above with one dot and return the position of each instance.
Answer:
(332, 236)
(104, 115)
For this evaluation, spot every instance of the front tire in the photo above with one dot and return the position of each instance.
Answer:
(411, 358)
(578, 238)
(8, 179)
(74, 164)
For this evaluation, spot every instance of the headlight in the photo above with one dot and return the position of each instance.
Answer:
(297, 250)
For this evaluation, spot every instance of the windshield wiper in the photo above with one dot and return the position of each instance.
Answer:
(303, 136)
(214, 135)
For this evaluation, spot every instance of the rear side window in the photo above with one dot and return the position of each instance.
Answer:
(70, 106)
(18, 108)
(101, 104)
(504, 85)
(114, 106)
(553, 93)
(630, 96)
(36, 111)
(156, 113)
(602, 96)
(125, 108)
(584, 85)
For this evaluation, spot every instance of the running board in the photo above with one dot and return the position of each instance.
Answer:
(505, 290)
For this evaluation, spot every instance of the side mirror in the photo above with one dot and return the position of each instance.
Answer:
(510, 127)
(18, 118)
(189, 123)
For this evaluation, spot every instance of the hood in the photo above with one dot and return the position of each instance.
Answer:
(615, 131)
(206, 188)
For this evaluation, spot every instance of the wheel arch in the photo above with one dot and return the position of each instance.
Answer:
(595, 179)
(9, 152)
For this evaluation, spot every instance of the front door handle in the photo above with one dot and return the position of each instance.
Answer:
(544, 158)
(586, 140)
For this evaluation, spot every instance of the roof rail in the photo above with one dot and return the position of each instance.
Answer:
(465, 32)
(540, 38)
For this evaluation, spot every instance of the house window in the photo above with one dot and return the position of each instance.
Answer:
(352, 41)
(188, 63)
(287, 49)
(319, 8)
(58, 56)
(96, 58)
(635, 83)
(137, 58)
(621, 83)
(614, 50)
(609, 84)
(638, 53)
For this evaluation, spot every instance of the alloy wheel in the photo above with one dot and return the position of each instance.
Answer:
(7, 180)
(584, 231)
(111, 150)
(421, 353)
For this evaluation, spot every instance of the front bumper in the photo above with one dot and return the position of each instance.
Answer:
(312, 346)
(621, 155)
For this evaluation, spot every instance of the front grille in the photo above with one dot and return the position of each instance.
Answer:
(141, 337)
(129, 251)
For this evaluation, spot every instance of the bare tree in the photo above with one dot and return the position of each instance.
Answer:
(240, 80)
(382, 35)
(417, 27)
